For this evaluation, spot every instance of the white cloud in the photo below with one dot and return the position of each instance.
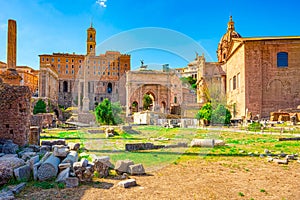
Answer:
(101, 3)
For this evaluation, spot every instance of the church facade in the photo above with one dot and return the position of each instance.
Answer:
(261, 73)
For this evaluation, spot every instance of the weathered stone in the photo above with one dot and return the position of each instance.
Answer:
(49, 168)
(137, 169)
(203, 143)
(60, 151)
(36, 148)
(72, 182)
(7, 165)
(46, 156)
(34, 135)
(84, 162)
(105, 160)
(101, 168)
(7, 195)
(63, 166)
(84, 174)
(10, 148)
(25, 150)
(35, 170)
(22, 173)
(74, 146)
(278, 161)
(10, 156)
(63, 175)
(33, 161)
(71, 157)
(219, 143)
(2, 154)
(109, 132)
(28, 155)
(45, 148)
(127, 183)
(18, 188)
(290, 157)
(123, 165)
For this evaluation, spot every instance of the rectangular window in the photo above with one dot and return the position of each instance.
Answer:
(79, 61)
(72, 71)
(67, 72)
(238, 80)
(67, 66)
(58, 66)
(72, 60)
(52, 59)
(43, 59)
(72, 66)
(67, 60)
(58, 59)
(234, 83)
(230, 85)
(282, 59)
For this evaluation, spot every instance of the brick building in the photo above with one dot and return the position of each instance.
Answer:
(262, 73)
(83, 80)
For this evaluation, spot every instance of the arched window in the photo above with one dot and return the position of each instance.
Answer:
(175, 99)
(91, 47)
(109, 88)
(65, 86)
(282, 59)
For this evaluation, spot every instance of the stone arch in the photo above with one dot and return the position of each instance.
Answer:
(275, 89)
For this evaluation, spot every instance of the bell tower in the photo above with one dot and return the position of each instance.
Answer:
(91, 41)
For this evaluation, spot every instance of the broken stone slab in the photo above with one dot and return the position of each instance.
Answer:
(7, 195)
(105, 160)
(63, 166)
(10, 156)
(85, 174)
(63, 175)
(290, 157)
(71, 157)
(32, 161)
(137, 169)
(127, 183)
(219, 143)
(74, 146)
(18, 188)
(2, 154)
(35, 148)
(20, 154)
(102, 168)
(27, 155)
(35, 170)
(279, 161)
(10, 148)
(84, 162)
(46, 156)
(45, 148)
(22, 173)
(72, 182)
(7, 165)
(49, 168)
(123, 165)
(60, 151)
(208, 143)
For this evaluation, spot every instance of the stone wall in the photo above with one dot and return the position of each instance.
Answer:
(42, 120)
(15, 113)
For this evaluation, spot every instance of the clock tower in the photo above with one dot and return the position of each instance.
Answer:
(91, 41)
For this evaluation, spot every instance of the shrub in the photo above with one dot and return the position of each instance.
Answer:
(40, 107)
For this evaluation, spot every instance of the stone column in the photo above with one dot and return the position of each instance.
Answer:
(12, 44)
(86, 100)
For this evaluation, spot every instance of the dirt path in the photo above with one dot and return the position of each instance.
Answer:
(227, 178)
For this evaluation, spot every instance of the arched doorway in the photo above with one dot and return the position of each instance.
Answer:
(148, 101)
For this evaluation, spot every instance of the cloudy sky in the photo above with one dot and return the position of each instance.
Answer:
(156, 31)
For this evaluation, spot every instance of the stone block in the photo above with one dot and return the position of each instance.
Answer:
(127, 183)
(63, 166)
(22, 173)
(123, 165)
(74, 146)
(137, 169)
(45, 148)
(10, 148)
(60, 151)
(28, 155)
(33, 161)
(72, 182)
(84, 162)
(209, 143)
(63, 175)
(18, 188)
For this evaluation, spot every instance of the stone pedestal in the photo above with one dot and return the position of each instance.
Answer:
(85, 104)
(34, 136)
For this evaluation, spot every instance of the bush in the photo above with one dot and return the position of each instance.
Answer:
(220, 115)
(254, 126)
(40, 107)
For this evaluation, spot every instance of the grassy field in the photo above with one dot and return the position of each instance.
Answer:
(238, 144)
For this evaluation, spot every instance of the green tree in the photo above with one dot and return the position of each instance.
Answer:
(147, 101)
(117, 110)
(40, 107)
(221, 115)
(205, 112)
(104, 113)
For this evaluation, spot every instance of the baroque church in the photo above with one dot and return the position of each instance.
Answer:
(257, 75)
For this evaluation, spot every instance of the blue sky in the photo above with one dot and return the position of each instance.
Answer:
(47, 26)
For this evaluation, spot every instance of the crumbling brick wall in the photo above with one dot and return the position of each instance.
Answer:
(14, 113)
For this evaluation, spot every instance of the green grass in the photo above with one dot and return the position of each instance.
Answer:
(239, 144)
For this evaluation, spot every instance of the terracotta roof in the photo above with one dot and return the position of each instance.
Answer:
(268, 38)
